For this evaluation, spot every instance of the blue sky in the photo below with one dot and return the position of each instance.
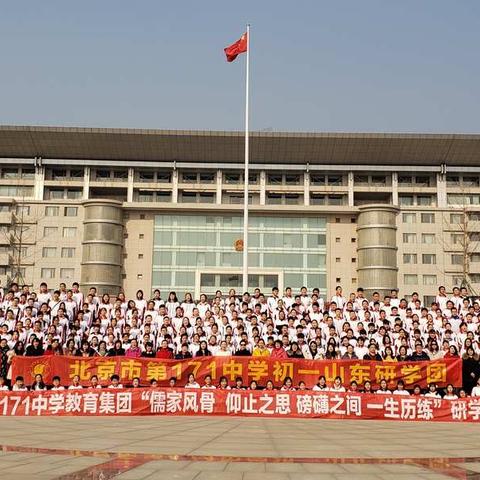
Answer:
(351, 65)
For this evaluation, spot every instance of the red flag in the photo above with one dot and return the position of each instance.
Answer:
(236, 48)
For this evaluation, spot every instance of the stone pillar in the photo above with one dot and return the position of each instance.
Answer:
(377, 248)
(218, 196)
(395, 188)
(306, 188)
(86, 183)
(441, 190)
(263, 187)
(39, 182)
(102, 243)
(131, 179)
(351, 195)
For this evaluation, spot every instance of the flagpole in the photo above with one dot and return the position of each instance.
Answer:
(246, 177)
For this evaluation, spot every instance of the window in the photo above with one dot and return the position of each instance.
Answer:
(188, 197)
(47, 231)
(337, 259)
(146, 176)
(292, 199)
(69, 232)
(67, 273)
(427, 217)
(474, 236)
(70, 211)
(10, 173)
(456, 238)
(232, 178)
(470, 181)
(429, 279)
(317, 180)
(453, 181)
(274, 178)
(207, 177)
(188, 177)
(141, 236)
(360, 179)
(292, 179)
(456, 218)
(274, 199)
(409, 238)
(76, 173)
(404, 179)
(140, 256)
(405, 200)
(22, 210)
(164, 177)
(429, 259)
(120, 174)
(337, 239)
(49, 252)
(139, 276)
(102, 174)
(428, 238)
(475, 277)
(410, 279)
(409, 217)
(379, 180)
(28, 173)
(422, 181)
(335, 180)
(456, 259)
(73, 194)
(145, 196)
(59, 174)
(410, 258)
(68, 252)
(46, 273)
(424, 200)
(207, 197)
(475, 257)
(317, 199)
(51, 211)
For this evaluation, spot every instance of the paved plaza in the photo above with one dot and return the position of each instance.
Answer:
(226, 448)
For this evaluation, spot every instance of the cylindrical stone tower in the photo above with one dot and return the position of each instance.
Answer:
(102, 246)
(377, 248)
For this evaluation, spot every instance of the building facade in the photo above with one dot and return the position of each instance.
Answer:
(146, 209)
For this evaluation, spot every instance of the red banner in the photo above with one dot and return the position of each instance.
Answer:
(298, 404)
(259, 369)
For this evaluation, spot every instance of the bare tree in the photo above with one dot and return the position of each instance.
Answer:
(465, 241)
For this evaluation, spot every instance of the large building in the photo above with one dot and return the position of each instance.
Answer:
(146, 209)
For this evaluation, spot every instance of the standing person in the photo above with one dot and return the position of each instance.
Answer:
(4, 358)
(470, 369)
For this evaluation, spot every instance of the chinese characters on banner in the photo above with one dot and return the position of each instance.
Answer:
(440, 372)
(299, 404)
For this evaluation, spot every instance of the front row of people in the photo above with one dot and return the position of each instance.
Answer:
(448, 393)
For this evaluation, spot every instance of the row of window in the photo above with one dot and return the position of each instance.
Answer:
(416, 200)
(65, 252)
(54, 211)
(413, 279)
(431, 258)
(64, 273)
(429, 238)
(411, 217)
(67, 232)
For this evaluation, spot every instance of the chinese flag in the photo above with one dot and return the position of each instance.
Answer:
(236, 48)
